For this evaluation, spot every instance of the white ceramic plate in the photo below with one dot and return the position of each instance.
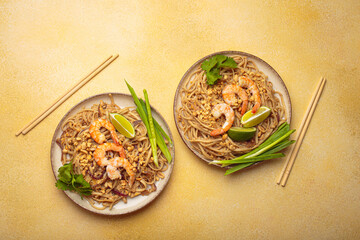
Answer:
(273, 76)
(133, 204)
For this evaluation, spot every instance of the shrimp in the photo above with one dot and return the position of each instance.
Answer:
(100, 152)
(112, 172)
(117, 162)
(113, 163)
(251, 85)
(229, 92)
(97, 135)
(218, 110)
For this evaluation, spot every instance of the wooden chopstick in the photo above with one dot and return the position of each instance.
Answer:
(301, 127)
(284, 175)
(66, 95)
(38, 116)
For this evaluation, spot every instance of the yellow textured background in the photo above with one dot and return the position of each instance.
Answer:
(45, 46)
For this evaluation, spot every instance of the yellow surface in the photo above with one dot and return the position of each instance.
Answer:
(46, 46)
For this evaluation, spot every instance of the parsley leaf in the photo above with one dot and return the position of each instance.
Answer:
(212, 67)
(220, 58)
(63, 186)
(212, 76)
(209, 64)
(65, 173)
(73, 182)
(228, 62)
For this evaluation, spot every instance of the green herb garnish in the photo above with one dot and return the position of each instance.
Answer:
(267, 150)
(213, 65)
(73, 182)
(151, 133)
(160, 134)
(155, 133)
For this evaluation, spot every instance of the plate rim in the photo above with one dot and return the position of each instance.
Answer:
(121, 211)
(228, 52)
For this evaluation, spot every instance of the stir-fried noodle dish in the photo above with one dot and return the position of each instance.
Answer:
(208, 111)
(116, 167)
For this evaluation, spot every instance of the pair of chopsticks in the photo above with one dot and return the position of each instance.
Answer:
(284, 175)
(66, 95)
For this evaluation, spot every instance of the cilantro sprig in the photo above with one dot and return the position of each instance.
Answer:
(212, 67)
(73, 182)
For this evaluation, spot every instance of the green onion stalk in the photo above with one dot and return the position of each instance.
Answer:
(151, 133)
(265, 151)
(154, 130)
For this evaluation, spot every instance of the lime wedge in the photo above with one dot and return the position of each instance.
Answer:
(241, 133)
(122, 125)
(250, 119)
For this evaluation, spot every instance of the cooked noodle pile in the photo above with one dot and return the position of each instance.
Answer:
(78, 146)
(198, 98)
